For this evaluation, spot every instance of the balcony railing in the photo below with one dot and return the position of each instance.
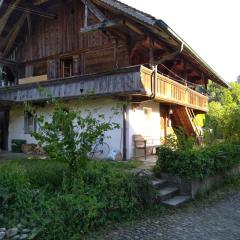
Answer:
(168, 90)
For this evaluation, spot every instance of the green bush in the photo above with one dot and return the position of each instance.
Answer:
(200, 162)
(70, 135)
(38, 199)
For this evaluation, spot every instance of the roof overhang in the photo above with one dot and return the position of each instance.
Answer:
(160, 26)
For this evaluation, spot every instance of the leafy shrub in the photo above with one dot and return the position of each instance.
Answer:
(199, 163)
(104, 192)
(179, 140)
(70, 135)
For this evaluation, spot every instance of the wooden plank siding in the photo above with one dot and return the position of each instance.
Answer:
(132, 81)
(52, 40)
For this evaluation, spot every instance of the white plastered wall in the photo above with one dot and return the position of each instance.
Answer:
(97, 106)
(140, 124)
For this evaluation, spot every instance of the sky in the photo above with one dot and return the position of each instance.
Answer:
(210, 27)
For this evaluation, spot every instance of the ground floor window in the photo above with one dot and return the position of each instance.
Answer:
(30, 123)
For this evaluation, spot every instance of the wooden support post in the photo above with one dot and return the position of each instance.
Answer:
(151, 52)
(76, 65)
(185, 66)
(99, 15)
(82, 64)
(145, 150)
(86, 14)
(115, 54)
(29, 23)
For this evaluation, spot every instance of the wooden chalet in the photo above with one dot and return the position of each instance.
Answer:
(106, 48)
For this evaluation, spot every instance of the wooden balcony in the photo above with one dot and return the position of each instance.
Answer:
(130, 81)
(170, 91)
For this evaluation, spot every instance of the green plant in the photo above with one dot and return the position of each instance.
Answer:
(70, 135)
(105, 192)
(199, 162)
(179, 140)
(223, 116)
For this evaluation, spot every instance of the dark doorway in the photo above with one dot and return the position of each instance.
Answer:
(164, 115)
(4, 122)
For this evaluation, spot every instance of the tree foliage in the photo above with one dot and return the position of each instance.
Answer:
(222, 120)
(69, 135)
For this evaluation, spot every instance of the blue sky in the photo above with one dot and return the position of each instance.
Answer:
(210, 27)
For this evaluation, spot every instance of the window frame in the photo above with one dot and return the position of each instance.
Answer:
(27, 127)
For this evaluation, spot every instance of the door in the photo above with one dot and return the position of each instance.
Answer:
(164, 115)
(4, 122)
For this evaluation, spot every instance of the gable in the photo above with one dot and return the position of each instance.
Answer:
(55, 26)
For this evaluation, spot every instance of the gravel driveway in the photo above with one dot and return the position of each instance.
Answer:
(216, 221)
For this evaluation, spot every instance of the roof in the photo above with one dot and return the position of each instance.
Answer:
(161, 25)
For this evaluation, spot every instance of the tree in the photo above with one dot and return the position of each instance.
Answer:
(70, 135)
(224, 115)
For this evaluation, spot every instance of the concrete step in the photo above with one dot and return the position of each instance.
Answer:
(159, 183)
(166, 193)
(177, 200)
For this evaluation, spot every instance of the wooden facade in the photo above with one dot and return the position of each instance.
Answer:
(102, 47)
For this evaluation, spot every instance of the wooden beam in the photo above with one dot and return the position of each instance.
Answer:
(29, 21)
(8, 12)
(39, 2)
(102, 25)
(100, 16)
(1, 3)
(7, 62)
(169, 56)
(15, 32)
(134, 28)
(33, 10)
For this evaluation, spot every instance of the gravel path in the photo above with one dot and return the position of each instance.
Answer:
(218, 221)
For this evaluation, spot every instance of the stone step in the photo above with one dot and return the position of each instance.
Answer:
(158, 183)
(177, 200)
(166, 193)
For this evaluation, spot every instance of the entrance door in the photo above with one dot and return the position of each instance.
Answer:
(164, 115)
(4, 121)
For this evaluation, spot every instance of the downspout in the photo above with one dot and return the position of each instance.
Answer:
(155, 69)
(124, 132)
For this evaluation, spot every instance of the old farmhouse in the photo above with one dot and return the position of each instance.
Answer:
(106, 48)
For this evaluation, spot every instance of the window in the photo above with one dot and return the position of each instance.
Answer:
(30, 123)
(147, 121)
(147, 114)
(66, 67)
(40, 68)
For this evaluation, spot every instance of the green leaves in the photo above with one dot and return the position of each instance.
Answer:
(224, 114)
(70, 135)
(199, 163)
(105, 192)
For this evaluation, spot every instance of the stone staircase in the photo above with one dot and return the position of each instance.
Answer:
(168, 194)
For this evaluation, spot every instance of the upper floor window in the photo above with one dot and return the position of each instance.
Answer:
(67, 67)
(7, 77)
